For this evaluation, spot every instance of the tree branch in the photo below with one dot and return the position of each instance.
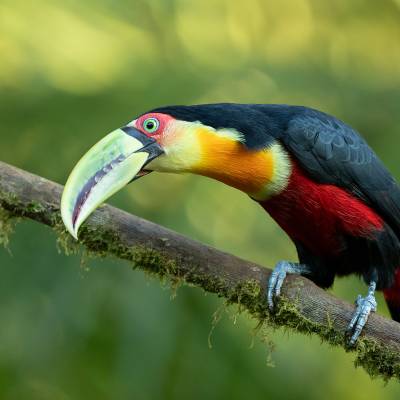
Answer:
(110, 231)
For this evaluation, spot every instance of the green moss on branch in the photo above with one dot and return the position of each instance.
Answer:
(7, 225)
(376, 359)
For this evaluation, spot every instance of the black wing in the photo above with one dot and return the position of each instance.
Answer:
(332, 152)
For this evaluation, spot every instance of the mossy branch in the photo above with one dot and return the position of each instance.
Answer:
(304, 307)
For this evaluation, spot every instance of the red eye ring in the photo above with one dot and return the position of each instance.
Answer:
(153, 123)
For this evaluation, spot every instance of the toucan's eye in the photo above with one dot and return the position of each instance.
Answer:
(151, 125)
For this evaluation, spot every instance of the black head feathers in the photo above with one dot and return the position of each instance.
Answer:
(259, 123)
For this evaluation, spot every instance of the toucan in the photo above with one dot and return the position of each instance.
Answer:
(312, 173)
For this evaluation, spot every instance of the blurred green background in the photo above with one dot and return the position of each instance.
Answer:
(70, 72)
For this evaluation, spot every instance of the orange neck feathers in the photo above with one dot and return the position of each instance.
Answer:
(259, 173)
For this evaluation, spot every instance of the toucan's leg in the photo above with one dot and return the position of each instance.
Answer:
(364, 307)
(278, 276)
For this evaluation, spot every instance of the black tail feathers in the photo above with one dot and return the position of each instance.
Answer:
(392, 297)
(394, 310)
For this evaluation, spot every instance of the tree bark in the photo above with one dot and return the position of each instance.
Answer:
(109, 231)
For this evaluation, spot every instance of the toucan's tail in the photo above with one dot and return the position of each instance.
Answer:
(392, 297)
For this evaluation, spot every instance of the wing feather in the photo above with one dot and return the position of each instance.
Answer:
(333, 153)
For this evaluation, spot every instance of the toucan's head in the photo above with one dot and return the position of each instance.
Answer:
(229, 142)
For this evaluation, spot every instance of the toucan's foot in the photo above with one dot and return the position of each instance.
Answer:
(278, 276)
(364, 307)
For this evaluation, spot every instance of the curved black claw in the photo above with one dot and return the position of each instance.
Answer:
(278, 276)
(365, 305)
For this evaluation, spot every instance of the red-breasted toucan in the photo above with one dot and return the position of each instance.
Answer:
(315, 175)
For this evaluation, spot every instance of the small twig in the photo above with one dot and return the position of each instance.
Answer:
(305, 307)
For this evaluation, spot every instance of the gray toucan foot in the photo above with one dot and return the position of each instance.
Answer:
(364, 306)
(282, 268)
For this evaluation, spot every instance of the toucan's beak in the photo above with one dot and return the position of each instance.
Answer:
(107, 167)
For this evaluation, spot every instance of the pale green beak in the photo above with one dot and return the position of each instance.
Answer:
(107, 167)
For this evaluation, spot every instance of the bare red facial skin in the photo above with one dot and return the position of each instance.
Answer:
(163, 120)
